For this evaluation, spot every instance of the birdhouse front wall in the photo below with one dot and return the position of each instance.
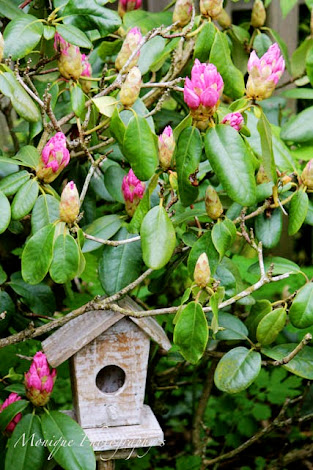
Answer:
(109, 377)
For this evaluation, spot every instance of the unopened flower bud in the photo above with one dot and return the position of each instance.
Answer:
(131, 87)
(211, 8)
(173, 180)
(307, 175)
(12, 398)
(235, 120)
(166, 147)
(39, 380)
(69, 204)
(70, 60)
(223, 19)
(202, 272)
(261, 176)
(132, 41)
(86, 72)
(213, 205)
(133, 190)
(128, 5)
(258, 15)
(182, 12)
(1, 46)
(54, 158)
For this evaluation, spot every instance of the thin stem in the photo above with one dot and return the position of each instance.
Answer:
(111, 242)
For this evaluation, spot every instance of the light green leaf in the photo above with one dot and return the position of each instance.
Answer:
(301, 311)
(73, 35)
(24, 200)
(11, 183)
(28, 156)
(204, 42)
(270, 326)
(78, 100)
(268, 228)
(234, 329)
(9, 10)
(223, 235)
(299, 129)
(106, 105)
(46, 211)
(299, 206)
(301, 364)
(21, 36)
(104, 227)
(268, 161)
(5, 212)
(65, 260)
(37, 255)
(281, 266)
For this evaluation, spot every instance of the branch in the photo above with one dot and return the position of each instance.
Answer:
(307, 338)
(111, 242)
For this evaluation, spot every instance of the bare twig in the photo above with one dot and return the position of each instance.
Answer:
(307, 338)
(111, 242)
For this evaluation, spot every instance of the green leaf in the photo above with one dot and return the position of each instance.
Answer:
(5, 212)
(48, 32)
(23, 453)
(37, 255)
(140, 147)
(113, 178)
(150, 52)
(78, 100)
(203, 245)
(223, 235)
(204, 42)
(11, 183)
(232, 164)
(87, 15)
(28, 156)
(78, 456)
(234, 329)
(301, 364)
(3, 276)
(286, 6)
(117, 128)
(309, 65)
(299, 129)
(10, 412)
(258, 311)
(234, 85)
(281, 266)
(283, 47)
(73, 35)
(143, 207)
(146, 20)
(9, 10)
(188, 154)
(158, 238)
(65, 260)
(39, 298)
(237, 369)
(21, 36)
(261, 44)
(298, 58)
(268, 228)
(120, 265)
(301, 311)
(299, 206)
(21, 101)
(6, 305)
(46, 211)
(25, 199)
(104, 227)
(270, 326)
(191, 332)
(106, 105)
(299, 93)
(268, 161)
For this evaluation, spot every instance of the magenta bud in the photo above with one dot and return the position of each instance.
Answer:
(235, 120)
(70, 60)
(86, 72)
(69, 204)
(54, 158)
(133, 190)
(132, 41)
(12, 398)
(166, 147)
(128, 5)
(202, 272)
(39, 380)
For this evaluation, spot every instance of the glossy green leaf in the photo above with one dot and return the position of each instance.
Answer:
(188, 154)
(191, 332)
(65, 260)
(150, 52)
(22, 453)
(78, 100)
(281, 266)
(203, 245)
(146, 20)
(37, 255)
(104, 227)
(268, 162)
(261, 44)
(286, 6)
(9, 10)
(120, 265)
(301, 311)
(298, 58)
(21, 101)
(259, 310)
(78, 456)
(223, 235)
(158, 238)
(113, 178)
(11, 411)
(270, 326)
(28, 156)
(204, 42)
(5, 212)
(106, 105)
(140, 147)
(299, 93)
(3, 276)
(301, 364)
(118, 128)
(39, 298)
(309, 65)
(268, 228)
(11, 183)
(48, 32)
(231, 162)
(46, 211)
(237, 369)
(309, 216)
(21, 36)
(233, 328)
(73, 35)
(299, 129)
(299, 206)
(6, 305)
(25, 199)
(143, 207)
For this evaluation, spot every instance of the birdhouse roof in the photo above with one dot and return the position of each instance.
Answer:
(80, 331)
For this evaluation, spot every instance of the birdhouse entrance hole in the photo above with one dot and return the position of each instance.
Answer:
(110, 379)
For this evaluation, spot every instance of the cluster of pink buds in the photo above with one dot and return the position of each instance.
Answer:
(69, 204)
(86, 72)
(128, 5)
(39, 380)
(166, 147)
(70, 60)
(307, 175)
(235, 120)
(132, 41)
(133, 190)
(264, 73)
(12, 398)
(182, 12)
(203, 91)
(54, 158)
(211, 8)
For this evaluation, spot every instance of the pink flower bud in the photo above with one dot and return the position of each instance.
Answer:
(131, 87)
(132, 41)
(1, 46)
(235, 120)
(39, 380)
(133, 190)
(182, 12)
(203, 91)
(12, 398)
(128, 5)
(70, 60)
(86, 72)
(213, 205)
(264, 73)
(202, 272)
(54, 158)
(307, 175)
(69, 204)
(211, 8)
(258, 15)
(166, 147)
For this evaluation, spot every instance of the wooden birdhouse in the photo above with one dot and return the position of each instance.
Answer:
(108, 355)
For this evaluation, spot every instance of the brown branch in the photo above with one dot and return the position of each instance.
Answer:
(307, 338)
(111, 242)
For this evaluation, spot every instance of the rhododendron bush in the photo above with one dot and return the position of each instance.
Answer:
(155, 155)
